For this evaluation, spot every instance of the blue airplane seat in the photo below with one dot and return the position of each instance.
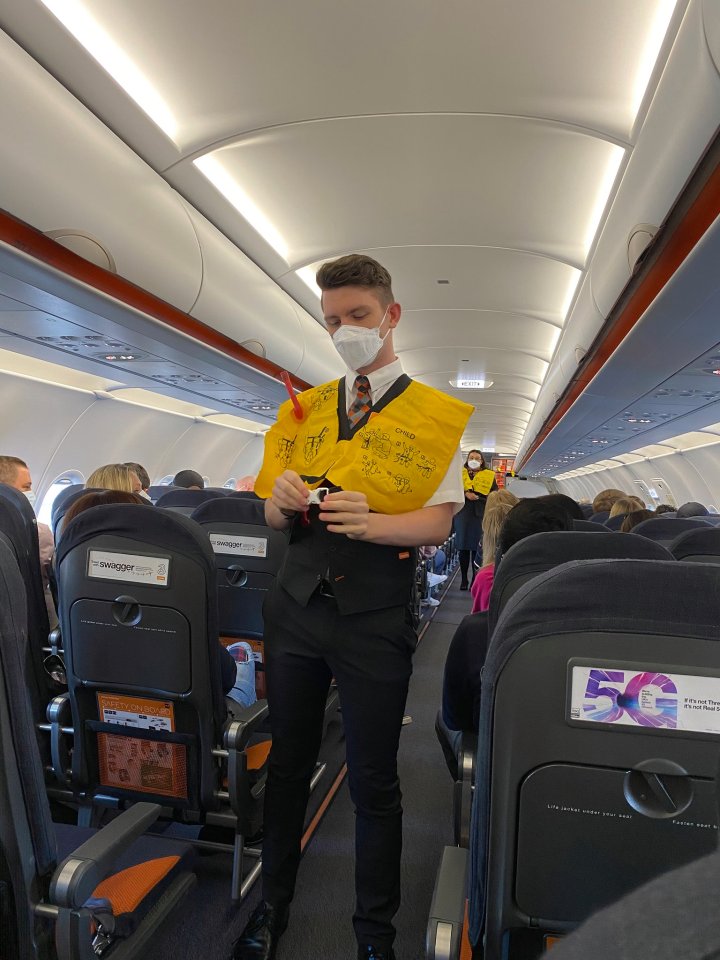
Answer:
(64, 500)
(248, 555)
(594, 772)
(58, 503)
(185, 501)
(543, 551)
(69, 892)
(697, 546)
(614, 523)
(157, 490)
(138, 611)
(664, 529)
(589, 526)
(19, 526)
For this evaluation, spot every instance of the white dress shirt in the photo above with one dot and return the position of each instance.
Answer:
(451, 486)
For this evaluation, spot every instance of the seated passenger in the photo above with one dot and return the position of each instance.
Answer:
(693, 509)
(435, 576)
(229, 671)
(189, 479)
(143, 476)
(531, 516)
(605, 499)
(603, 502)
(468, 647)
(16, 473)
(623, 506)
(634, 518)
(115, 476)
(493, 520)
(663, 508)
(564, 501)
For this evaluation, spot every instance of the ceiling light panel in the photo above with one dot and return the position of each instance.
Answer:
(211, 55)
(112, 57)
(545, 179)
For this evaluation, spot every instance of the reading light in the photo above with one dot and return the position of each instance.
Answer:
(100, 45)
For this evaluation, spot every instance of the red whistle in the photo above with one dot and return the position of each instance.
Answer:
(297, 409)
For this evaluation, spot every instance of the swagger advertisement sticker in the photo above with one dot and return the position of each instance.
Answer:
(649, 699)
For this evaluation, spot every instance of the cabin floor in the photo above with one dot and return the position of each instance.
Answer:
(320, 924)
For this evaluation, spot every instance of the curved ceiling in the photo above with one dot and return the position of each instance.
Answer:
(474, 148)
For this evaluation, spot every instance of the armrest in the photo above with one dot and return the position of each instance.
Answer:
(58, 714)
(238, 732)
(77, 876)
(447, 910)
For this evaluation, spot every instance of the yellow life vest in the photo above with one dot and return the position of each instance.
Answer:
(481, 483)
(398, 458)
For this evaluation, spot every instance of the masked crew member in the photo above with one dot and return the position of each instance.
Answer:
(387, 447)
(478, 482)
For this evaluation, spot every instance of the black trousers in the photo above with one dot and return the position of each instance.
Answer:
(369, 655)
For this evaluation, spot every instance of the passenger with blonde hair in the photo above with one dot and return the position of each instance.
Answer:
(114, 476)
(623, 506)
(494, 518)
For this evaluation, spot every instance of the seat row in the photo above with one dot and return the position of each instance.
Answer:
(597, 739)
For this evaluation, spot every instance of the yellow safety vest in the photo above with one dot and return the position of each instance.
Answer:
(398, 458)
(481, 483)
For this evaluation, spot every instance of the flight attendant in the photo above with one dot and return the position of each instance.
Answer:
(478, 482)
(387, 447)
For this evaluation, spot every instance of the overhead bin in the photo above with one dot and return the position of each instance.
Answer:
(681, 121)
(64, 170)
(68, 175)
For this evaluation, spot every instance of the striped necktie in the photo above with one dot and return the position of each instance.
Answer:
(361, 401)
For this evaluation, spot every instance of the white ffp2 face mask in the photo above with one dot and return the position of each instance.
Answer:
(359, 346)
(474, 464)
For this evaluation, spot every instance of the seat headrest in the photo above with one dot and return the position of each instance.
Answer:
(180, 497)
(697, 543)
(665, 528)
(231, 510)
(159, 528)
(590, 526)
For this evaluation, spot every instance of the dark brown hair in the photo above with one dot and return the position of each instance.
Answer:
(356, 270)
(101, 499)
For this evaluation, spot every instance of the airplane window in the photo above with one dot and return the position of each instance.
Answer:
(206, 481)
(64, 480)
(230, 483)
(166, 481)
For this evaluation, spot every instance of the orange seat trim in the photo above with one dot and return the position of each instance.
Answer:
(257, 754)
(128, 888)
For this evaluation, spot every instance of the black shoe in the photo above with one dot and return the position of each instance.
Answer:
(464, 585)
(259, 939)
(372, 953)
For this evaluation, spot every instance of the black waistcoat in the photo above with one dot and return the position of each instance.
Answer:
(363, 576)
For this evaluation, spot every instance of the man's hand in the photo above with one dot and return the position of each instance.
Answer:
(346, 512)
(471, 496)
(289, 492)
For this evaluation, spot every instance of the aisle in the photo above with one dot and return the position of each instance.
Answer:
(321, 917)
(320, 925)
